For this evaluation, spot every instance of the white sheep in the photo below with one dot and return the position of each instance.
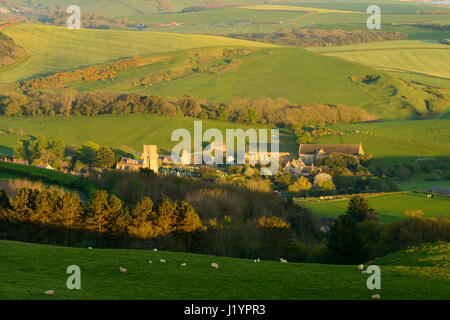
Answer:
(360, 267)
(49, 292)
(183, 264)
(376, 296)
(150, 261)
(258, 260)
(214, 265)
(155, 249)
(282, 260)
(162, 260)
(123, 270)
(90, 248)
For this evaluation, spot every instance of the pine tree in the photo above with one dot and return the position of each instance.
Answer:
(345, 243)
(358, 208)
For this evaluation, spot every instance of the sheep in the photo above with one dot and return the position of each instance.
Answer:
(214, 265)
(155, 249)
(282, 260)
(49, 292)
(363, 272)
(150, 261)
(360, 267)
(258, 260)
(183, 264)
(429, 196)
(162, 260)
(376, 296)
(123, 270)
(90, 248)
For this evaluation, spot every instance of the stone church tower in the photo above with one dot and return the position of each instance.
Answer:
(150, 157)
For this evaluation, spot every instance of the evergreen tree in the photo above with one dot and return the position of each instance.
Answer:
(345, 244)
(358, 208)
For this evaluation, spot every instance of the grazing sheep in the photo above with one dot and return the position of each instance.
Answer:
(155, 249)
(183, 264)
(258, 260)
(282, 260)
(214, 265)
(150, 261)
(90, 248)
(162, 260)
(376, 296)
(49, 292)
(123, 270)
(360, 267)
(429, 196)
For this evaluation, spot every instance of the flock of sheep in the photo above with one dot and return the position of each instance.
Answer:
(215, 266)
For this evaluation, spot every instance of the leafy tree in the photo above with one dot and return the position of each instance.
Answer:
(59, 148)
(302, 184)
(358, 208)
(345, 244)
(167, 215)
(87, 153)
(104, 157)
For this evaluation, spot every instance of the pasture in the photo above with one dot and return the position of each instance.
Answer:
(28, 270)
(394, 142)
(390, 207)
(58, 49)
(407, 56)
(118, 131)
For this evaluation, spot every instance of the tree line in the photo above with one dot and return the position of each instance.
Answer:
(266, 111)
(321, 38)
(10, 52)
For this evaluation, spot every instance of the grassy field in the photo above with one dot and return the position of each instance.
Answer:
(408, 56)
(71, 182)
(397, 141)
(118, 131)
(27, 270)
(389, 207)
(430, 255)
(58, 49)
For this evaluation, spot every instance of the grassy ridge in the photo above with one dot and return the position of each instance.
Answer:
(27, 270)
(389, 207)
(423, 58)
(57, 49)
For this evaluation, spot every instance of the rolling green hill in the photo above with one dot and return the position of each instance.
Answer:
(28, 270)
(297, 75)
(396, 141)
(58, 49)
(430, 255)
(390, 207)
(409, 57)
(116, 131)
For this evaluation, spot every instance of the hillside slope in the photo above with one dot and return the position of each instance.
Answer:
(57, 49)
(27, 270)
(267, 71)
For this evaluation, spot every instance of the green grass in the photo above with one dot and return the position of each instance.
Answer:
(429, 255)
(423, 58)
(116, 131)
(390, 207)
(13, 170)
(28, 270)
(422, 183)
(396, 141)
(58, 49)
